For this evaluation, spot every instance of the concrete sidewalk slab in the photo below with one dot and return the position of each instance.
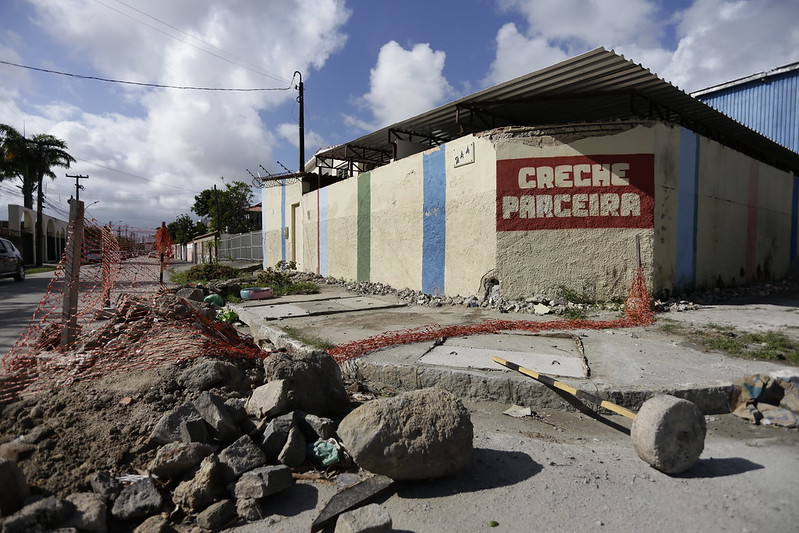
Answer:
(314, 306)
(627, 366)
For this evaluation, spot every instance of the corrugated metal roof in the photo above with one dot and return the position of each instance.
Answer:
(596, 86)
(767, 102)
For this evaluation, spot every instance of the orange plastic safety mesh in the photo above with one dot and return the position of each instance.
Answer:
(638, 312)
(123, 316)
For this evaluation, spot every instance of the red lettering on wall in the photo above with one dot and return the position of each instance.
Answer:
(587, 191)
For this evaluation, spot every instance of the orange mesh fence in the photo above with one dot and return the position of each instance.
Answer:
(121, 316)
(638, 312)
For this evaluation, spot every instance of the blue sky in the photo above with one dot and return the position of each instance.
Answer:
(365, 64)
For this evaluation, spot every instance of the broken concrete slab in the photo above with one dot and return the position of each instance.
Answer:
(138, 500)
(459, 356)
(372, 518)
(239, 457)
(217, 515)
(293, 452)
(263, 481)
(269, 400)
(167, 429)
(216, 414)
(202, 488)
(176, 458)
(350, 498)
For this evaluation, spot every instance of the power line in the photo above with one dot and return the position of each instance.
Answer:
(259, 70)
(141, 84)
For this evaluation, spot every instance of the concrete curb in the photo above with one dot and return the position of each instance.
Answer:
(499, 386)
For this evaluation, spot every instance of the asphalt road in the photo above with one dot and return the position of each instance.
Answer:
(18, 301)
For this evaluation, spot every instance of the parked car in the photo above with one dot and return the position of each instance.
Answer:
(11, 261)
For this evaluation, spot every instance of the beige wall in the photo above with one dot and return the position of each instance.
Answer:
(396, 223)
(740, 223)
(598, 262)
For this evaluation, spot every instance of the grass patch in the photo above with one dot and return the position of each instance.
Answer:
(304, 287)
(39, 269)
(309, 340)
(570, 295)
(574, 313)
(768, 346)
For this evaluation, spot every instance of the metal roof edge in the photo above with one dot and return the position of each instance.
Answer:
(747, 79)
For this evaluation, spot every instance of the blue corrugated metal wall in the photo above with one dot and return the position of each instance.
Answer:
(767, 105)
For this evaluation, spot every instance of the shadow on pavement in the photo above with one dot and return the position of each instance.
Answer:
(720, 467)
(489, 469)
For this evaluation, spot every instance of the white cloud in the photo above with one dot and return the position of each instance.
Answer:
(405, 83)
(724, 40)
(180, 141)
(717, 40)
(518, 55)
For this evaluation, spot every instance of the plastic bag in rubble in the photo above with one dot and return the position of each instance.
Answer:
(214, 299)
(325, 451)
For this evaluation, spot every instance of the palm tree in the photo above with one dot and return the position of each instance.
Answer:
(32, 160)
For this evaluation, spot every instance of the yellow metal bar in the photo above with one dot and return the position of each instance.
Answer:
(546, 380)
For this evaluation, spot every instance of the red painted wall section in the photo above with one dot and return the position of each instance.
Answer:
(586, 191)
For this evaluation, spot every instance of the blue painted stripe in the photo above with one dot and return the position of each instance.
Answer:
(795, 218)
(265, 260)
(323, 268)
(434, 227)
(283, 220)
(687, 188)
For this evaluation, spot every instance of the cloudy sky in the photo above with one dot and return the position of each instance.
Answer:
(364, 63)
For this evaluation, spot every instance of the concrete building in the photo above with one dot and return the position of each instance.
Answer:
(20, 228)
(563, 178)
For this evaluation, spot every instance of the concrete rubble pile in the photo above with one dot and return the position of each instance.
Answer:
(210, 444)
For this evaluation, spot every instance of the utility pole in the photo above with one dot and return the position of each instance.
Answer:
(78, 186)
(301, 101)
(218, 222)
(69, 312)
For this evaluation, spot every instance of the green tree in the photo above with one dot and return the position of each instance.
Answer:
(31, 160)
(227, 208)
(183, 230)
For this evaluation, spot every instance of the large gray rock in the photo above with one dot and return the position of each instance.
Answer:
(13, 488)
(370, 518)
(669, 433)
(202, 488)
(218, 417)
(90, 512)
(138, 500)
(239, 457)
(176, 458)
(417, 435)
(314, 381)
(171, 306)
(167, 429)
(270, 400)
(264, 481)
(42, 515)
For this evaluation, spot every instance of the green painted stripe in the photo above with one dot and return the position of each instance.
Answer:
(364, 226)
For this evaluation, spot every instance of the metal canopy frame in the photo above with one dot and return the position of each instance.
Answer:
(597, 86)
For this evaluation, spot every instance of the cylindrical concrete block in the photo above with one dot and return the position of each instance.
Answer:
(669, 433)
